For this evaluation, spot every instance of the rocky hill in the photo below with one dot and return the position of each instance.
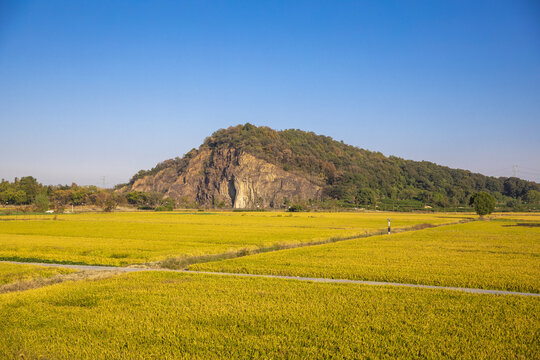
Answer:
(247, 167)
(229, 177)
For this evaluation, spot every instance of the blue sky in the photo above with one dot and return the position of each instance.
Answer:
(105, 88)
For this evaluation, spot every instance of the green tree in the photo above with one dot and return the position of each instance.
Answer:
(366, 196)
(136, 198)
(440, 200)
(42, 202)
(30, 186)
(515, 204)
(533, 197)
(11, 196)
(483, 202)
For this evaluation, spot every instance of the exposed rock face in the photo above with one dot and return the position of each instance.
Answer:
(231, 178)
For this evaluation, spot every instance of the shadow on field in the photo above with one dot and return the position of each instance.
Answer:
(524, 224)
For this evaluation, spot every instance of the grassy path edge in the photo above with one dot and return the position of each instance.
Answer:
(298, 278)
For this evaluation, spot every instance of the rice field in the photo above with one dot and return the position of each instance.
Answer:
(174, 316)
(136, 238)
(498, 254)
(168, 315)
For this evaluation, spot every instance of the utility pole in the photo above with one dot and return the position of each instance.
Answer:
(103, 181)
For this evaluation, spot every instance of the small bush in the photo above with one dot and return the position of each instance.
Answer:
(296, 208)
(248, 210)
(109, 205)
(145, 207)
(166, 205)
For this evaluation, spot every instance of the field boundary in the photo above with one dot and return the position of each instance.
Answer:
(284, 277)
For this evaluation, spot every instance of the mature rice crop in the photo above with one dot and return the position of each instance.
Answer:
(131, 238)
(497, 254)
(11, 273)
(174, 316)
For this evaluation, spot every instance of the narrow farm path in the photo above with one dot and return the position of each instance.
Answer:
(323, 280)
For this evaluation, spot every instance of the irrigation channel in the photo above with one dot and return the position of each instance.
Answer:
(298, 278)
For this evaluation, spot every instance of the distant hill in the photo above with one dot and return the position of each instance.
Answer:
(246, 166)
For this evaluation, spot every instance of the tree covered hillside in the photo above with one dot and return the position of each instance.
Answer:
(360, 176)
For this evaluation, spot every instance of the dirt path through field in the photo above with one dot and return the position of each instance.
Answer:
(323, 280)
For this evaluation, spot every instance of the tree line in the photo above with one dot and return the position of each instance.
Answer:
(28, 193)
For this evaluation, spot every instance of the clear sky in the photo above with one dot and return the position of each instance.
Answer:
(105, 88)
